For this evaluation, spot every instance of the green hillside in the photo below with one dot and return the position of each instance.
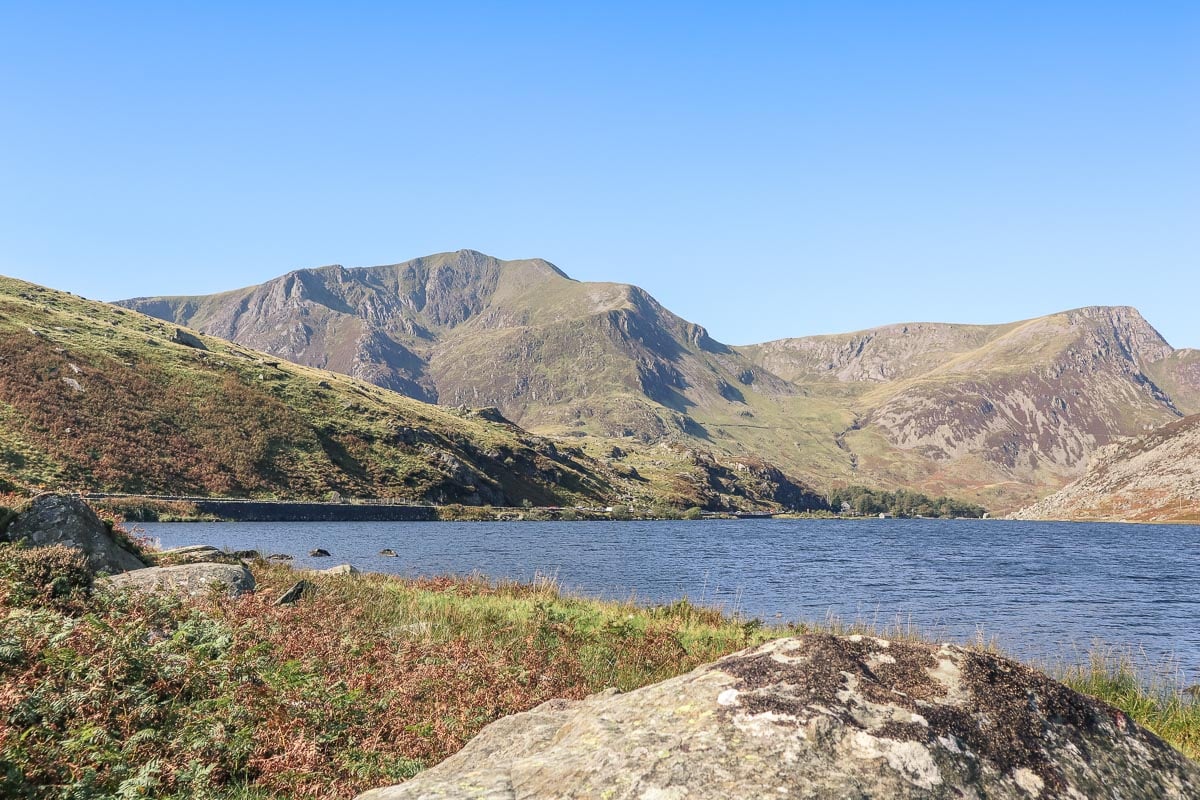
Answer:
(96, 397)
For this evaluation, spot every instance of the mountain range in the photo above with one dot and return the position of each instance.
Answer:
(1001, 414)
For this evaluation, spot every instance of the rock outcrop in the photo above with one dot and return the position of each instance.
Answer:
(186, 580)
(67, 520)
(820, 716)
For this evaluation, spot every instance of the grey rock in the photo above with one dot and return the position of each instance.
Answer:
(247, 555)
(187, 339)
(67, 520)
(279, 557)
(319, 552)
(340, 569)
(293, 595)
(194, 554)
(388, 552)
(186, 580)
(820, 716)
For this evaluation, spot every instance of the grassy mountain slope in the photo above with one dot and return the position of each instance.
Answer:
(999, 413)
(1178, 374)
(1150, 478)
(98, 397)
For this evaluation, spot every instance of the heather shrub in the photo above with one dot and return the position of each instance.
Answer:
(57, 575)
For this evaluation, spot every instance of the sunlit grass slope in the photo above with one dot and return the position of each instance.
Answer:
(98, 397)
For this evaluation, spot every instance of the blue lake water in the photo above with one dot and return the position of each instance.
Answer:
(1044, 591)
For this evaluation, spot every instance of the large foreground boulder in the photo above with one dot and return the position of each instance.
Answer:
(185, 580)
(67, 520)
(820, 716)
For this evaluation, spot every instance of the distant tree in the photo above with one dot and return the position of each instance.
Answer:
(621, 512)
(901, 503)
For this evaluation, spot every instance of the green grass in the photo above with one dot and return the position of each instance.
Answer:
(1154, 697)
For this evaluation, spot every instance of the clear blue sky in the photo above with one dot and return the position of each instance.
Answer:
(767, 170)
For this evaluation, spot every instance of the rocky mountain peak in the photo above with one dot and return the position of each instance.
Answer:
(1136, 337)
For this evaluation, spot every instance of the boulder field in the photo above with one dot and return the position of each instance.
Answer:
(820, 716)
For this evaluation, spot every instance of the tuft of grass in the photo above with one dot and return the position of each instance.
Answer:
(1154, 697)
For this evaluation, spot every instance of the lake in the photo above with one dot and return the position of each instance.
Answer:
(1042, 590)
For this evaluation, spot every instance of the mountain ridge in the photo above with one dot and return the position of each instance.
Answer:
(1003, 413)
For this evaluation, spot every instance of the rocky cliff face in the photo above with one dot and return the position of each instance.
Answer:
(999, 413)
(878, 355)
(465, 328)
(820, 716)
(1037, 399)
(1151, 478)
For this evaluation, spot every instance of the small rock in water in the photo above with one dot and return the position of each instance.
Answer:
(298, 590)
(319, 553)
(246, 554)
(279, 557)
(389, 552)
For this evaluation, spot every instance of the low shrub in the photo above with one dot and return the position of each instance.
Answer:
(456, 512)
(57, 576)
